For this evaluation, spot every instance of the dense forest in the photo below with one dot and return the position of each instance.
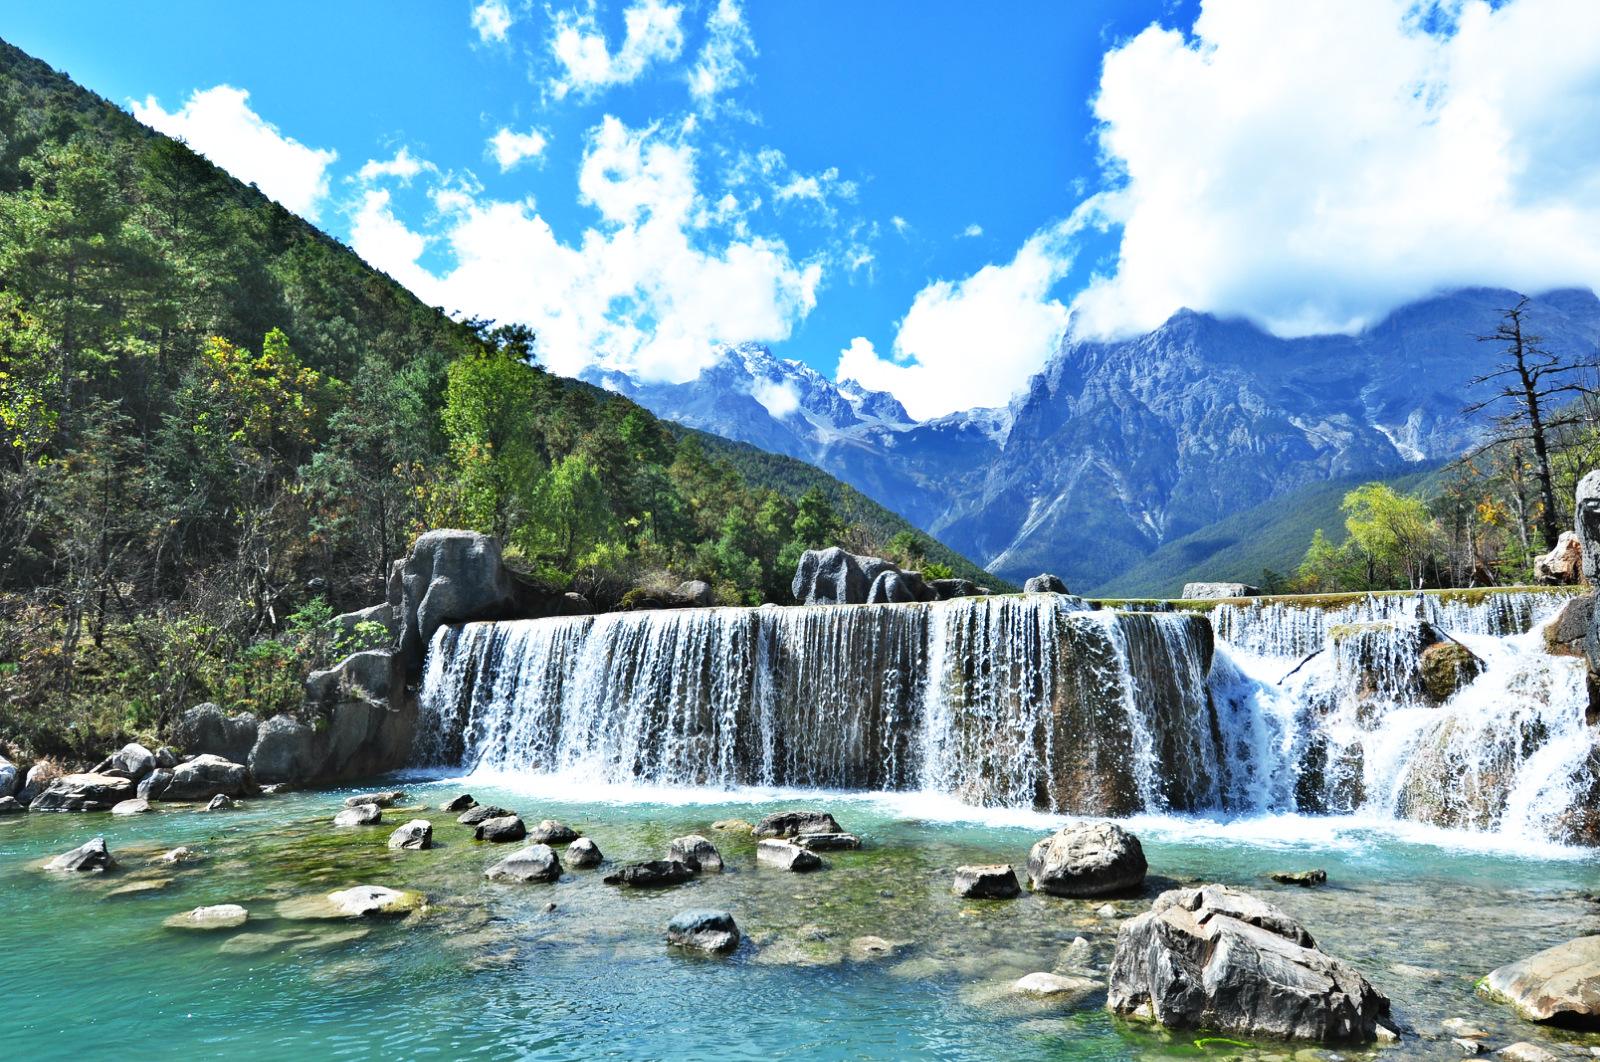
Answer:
(220, 428)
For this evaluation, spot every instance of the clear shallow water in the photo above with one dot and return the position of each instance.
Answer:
(90, 969)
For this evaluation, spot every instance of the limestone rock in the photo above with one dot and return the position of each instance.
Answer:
(709, 931)
(1562, 566)
(536, 862)
(481, 813)
(1054, 986)
(652, 874)
(1088, 859)
(131, 807)
(503, 830)
(456, 804)
(827, 842)
(217, 916)
(360, 815)
(206, 776)
(786, 855)
(834, 577)
(1217, 591)
(794, 823)
(583, 853)
(83, 792)
(1045, 584)
(449, 577)
(205, 728)
(1447, 667)
(1560, 985)
(549, 831)
(91, 857)
(697, 849)
(387, 799)
(994, 882)
(133, 760)
(1218, 959)
(155, 784)
(375, 901)
(414, 836)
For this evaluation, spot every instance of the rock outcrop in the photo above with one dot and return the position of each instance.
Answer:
(1562, 566)
(1218, 959)
(449, 577)
(835, 577)
(1558, 986)
(205, 728)
(1088, 859)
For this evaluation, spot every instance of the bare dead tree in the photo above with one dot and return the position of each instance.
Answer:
(1541, 389)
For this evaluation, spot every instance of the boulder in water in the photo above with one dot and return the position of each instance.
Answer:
(827, 842)
(217, 916)
(449, 577)
(583, 853)
(993, 882)
(206, 776)
(1087, 859)
(10, 805)
(537, 862)
(1217, 591)
(414, 836)
(1303, 878)
(1218, 959)
(1562, 566)
(91, 857)
(219, 803)
(1446, 667)
(360, 815)
(785, 855)
(1560, 985)
(455, 804)
(376, 901)
(502, 830)
(835, 577)
(481, 813)
(794, 823)
(549, 831)
(709, 931)
(131, 807)
(733, 826)
(1054, 986)
(1045, 584)
(386, 799)
(653, 874)
(133, 760)
(83, 792)
(698, 850)
(155, 784)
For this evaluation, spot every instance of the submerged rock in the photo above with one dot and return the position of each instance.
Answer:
(91, 857)
(1560, 985)
(10, 777)
(482, 813)
(711, 931)
(785, 855)
(386, 799)
(583, 853)
(414, 836)
(131, 807)
(549, 831)
(874, 949)
(463, 802)
(698, 850)
(375, 901)
(501, 830)
(794, 823)
(360, 815)
(733, 826)
(84, 792)
(1304, 878)
(1219, 959)
(219, 803)
(181, 854)
(654, 873)
(537, 862)
(1054, 986)
(1523, 1051)
(217, 916)
(1088, 859)
(994, 882)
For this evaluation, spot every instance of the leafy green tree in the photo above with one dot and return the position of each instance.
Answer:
(490, 422)
(569, 517)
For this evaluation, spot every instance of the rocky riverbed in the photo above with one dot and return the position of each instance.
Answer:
(872, 955)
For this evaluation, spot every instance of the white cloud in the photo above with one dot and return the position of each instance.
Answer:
(720, 66)
(650, 288)
(510, 148)
(652, 32)
(972, 230)
(901, 225)
(492, 19)
(219, 124)
(1313, 170)
(973, 342)
(404, 168)
(778, 396)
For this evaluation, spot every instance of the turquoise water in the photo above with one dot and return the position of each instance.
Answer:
(91, 970)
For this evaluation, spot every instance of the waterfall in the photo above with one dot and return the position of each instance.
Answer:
(1035, 700)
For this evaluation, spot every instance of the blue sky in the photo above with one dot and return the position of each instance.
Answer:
(914, 194)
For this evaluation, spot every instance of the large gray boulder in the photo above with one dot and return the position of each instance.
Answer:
(383, 614)
(709, 931)
(1586, 522)
(1560, 985)
(1087, 859)
(371, 675)
(1045, 584)
(207, 776)
(697, 850)
(206, 729)
(794, 823)
(537, 862)
(10, 778)
(1218, 959)
(287, 750)
(133, 760)
(92, 857)
(449, 577)
(84, 792)
(835, 577)
(896, 587)
(1562, 566)
(1217, 591)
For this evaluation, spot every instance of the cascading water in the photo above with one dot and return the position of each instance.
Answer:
(1037, 701)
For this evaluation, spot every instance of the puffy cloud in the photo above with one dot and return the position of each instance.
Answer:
(972, 230)
(404, 167)
(219, 123)
(509, 147)
(779, 397)
(492, 19)
(652, 32)
(720, 66)
(973, 342)
(1312, 169)
(649, 288)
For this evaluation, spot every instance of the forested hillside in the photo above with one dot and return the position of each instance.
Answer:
(220, 427)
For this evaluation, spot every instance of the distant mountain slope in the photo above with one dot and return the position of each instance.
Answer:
(1117, 448)
(1238, 548)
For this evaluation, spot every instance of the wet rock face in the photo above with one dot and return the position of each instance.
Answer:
(1219, 959)
(375, 901)
(709, 931)
(1560, 985)
(549, 831)
(1090, 859)
(84, 792)
(1447, 667)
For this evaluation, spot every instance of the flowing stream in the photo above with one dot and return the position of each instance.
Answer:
(1426, 708)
